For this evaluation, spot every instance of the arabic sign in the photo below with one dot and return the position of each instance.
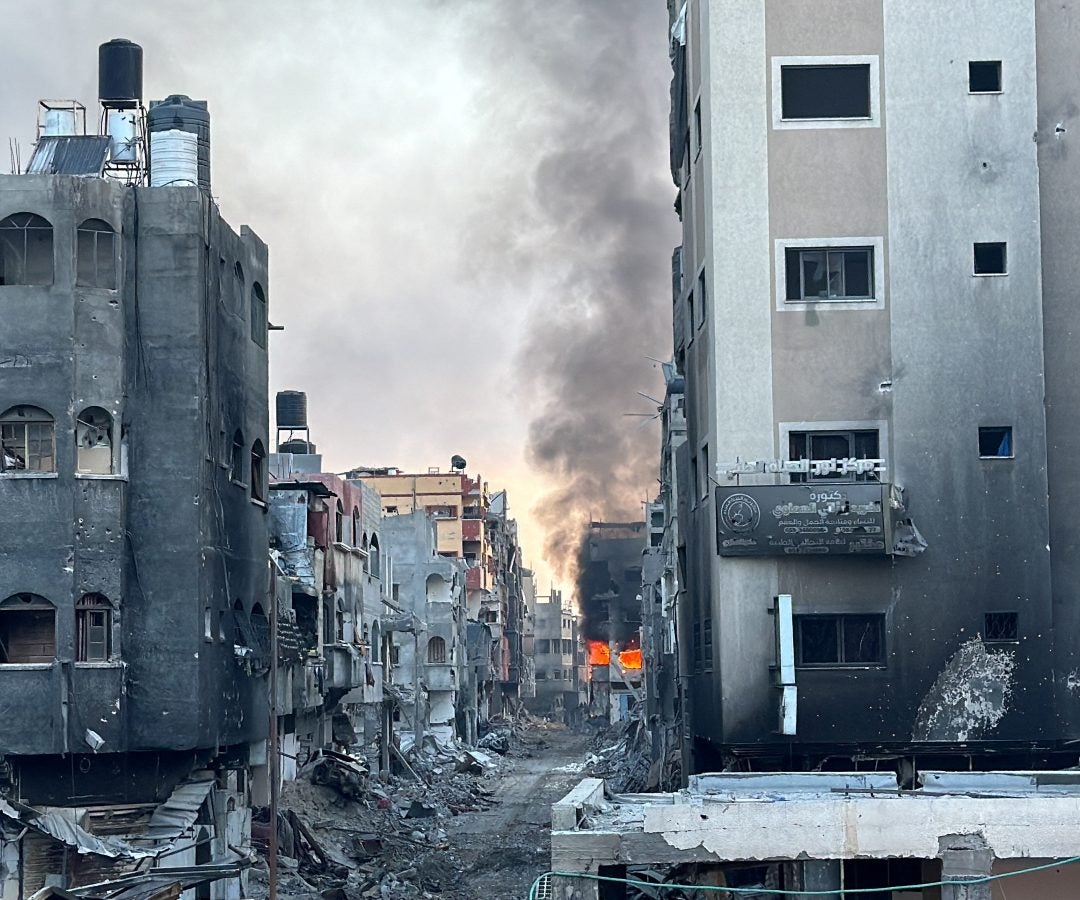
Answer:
(819, 468)
(804, 520)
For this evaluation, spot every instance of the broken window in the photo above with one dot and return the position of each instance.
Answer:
(984, 77)
(94, 442)
(436, 650)
(996, 442)
(825, 92)
(376, 642)
(26, 250)
(27, 440)
(93, 628)
(832, 445)
(374, 559)
(238, 287)
(1001, 628)
(355, 527)
(258, 315)
(236, 460)
(816, 274)
(258, 472)
(845, 640)
(27, 630)
(339, 523)
(989, 258)
(96, 255)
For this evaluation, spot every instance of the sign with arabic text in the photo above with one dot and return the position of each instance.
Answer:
(804, 520)
(818, 468)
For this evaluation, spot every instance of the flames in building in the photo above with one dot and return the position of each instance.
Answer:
(628, 654)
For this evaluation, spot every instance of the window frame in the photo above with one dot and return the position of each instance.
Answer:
(85, 608)
(874, 243)
(881, 426)
(259, 315)
(9, 424)
(31, 224)
(1000, 76)
(436, 652)
(778, 63)
(92, 228)
(840, 662)
(996, 642)
(1004, 245)
(1012, 441)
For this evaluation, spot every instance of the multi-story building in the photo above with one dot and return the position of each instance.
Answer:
(558, 658)
(134, 584)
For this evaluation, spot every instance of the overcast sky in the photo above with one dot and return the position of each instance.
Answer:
(468, 210)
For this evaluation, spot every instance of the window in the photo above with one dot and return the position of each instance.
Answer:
(847, 640)
(374, 558)
(27, 630)
(94, 442)
(96, 255)
(26, 250)
(996, 442)
(258, 315)
(567, 646)
(693, 481)
(703, 298)
(541, 675)
(258, 472)
(829, 273)
(239, 624)
(260, 628)
(556, 674)
(543, 645)
(984, 77)
(989, 258)
(825, 91)
(27, 440)
(395, 655)
(356, 528)
(697, 128)
(376, 642)
(238, 286)
(822, 445)
(705, 472)
(436, 650)
(236, 466)
(339, 523)
(690, 316)
(1001, 628)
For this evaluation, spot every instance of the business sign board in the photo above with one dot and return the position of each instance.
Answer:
(804, 520)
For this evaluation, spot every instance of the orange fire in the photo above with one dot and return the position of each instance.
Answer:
(599, 653)
(630, 659)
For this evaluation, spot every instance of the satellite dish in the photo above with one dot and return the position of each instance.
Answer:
(457, 462)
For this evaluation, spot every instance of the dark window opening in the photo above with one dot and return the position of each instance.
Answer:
(825, 92)
(94, 442)
(27, 440)
(238, 287)
(260, 631)
(236, 467)
(541, 675)
(96, 255)
(239, 625)
(93, 628)
(996, 442)
(339, 523)
(690, 316)
(436, 650)
(989, 258)
(697, 128)
(816, 274)
(258, 315)
(703, 298)
(355, 527)
(26, 250)
(374, 558)
(376, 642)
(258, 472)
(395, 655)
(984, 77)
(27, 630)
(1001, 627)
(822, 445)
(845, 640)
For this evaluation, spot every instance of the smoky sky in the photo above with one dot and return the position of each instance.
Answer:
(468, 212)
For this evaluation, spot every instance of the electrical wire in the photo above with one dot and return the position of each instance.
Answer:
(652, 885)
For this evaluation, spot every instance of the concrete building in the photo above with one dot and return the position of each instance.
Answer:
(874, 197)
(558, 659)
(134, 584)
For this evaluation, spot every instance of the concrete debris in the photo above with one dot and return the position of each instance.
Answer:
(621, 757)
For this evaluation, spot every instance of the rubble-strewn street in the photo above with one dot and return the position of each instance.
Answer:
(472, 830)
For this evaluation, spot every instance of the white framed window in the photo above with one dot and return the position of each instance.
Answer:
(853, 437)
(826, 92)
(843, 273)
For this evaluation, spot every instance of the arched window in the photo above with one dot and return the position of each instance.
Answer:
(374, 558)
(367, 549)
(339, 523)
(238, 286)
(355, 527)
(376, 641)
(96, 255)
(258, 472)
(437, 589)
(94, 442)
(26, 250)
(27, 440)
(236, 465)
(436, 650)
(258, 314)
(93, 628)
(27, 630)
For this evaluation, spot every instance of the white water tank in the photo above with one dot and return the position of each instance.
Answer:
(174, 158)
(59, 121)
(122, 140)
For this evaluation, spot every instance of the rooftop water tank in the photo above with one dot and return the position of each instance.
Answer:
(120, 74)
(291, 409)
(178, 112)
(174, 158)
(123, 143)
(297, 445)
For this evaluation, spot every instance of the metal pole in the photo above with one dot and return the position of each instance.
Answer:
(274, 759)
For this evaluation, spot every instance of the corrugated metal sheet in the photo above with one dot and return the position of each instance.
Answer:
(69, 155)
(177, 814)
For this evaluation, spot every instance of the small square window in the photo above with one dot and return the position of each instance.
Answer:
(990, 258)
(996, 442)
(984, 77)
(1001, 627)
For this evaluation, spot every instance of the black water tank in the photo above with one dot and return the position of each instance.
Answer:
(296, 445)
(120, 74)
(181, 113)
(291, 409)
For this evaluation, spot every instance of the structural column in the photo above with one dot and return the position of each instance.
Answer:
(963, 857)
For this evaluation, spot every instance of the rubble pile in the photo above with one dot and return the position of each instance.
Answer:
(621, 757)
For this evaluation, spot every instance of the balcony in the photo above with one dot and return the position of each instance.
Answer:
(817, 519)
(344, 668)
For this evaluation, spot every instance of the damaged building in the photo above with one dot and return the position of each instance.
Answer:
(558, 656)
(134, 585)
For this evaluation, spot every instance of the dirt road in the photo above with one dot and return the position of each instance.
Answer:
(503, 849)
